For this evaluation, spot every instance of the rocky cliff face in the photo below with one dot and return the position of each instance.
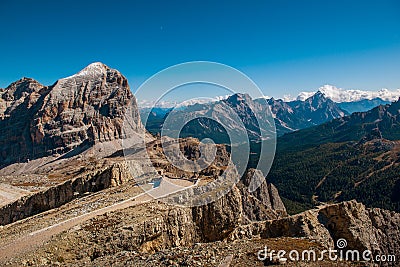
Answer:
(54, 197)
(79, 110)
(262, 204)
(171, 226)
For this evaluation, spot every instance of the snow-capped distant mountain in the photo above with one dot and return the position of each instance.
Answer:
(146, 104)
(174, 104)
(340, 95)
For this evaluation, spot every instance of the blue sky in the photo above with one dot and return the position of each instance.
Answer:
(284, 46)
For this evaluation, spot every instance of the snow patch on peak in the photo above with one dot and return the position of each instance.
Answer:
(340, 95)
(93, 69)
(96, 65)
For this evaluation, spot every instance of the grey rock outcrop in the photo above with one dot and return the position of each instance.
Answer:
(216, 220)
(24, 90)
(262, 204)
(375, 229)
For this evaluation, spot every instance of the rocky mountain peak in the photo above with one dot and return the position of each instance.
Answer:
(82, 109)
(239, 98)
(24, 80)
(319, 94)
(90, 79)
(96, 70)
(317, 99)
(396, 104)
(19, 88)
(318, 109)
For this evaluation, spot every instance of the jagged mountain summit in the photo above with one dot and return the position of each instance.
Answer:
(24, 90)
(82, 109)
(239, 115)
(295, 115)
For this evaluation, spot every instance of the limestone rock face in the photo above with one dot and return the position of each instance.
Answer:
(262, 204)
(17, 93)
(216, 220)
(17, 104)
(375, 229)
(79, 110)
(154, 226)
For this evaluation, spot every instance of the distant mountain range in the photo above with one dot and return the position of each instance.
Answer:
(362, 105)
(217, 119)
(386, 118)
(339, 95)
(354, 157)
(295, 115)
(326, 152)
(289, 116)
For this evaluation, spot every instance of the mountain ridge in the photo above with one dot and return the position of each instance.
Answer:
(288, 116)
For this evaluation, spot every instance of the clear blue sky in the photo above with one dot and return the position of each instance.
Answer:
(284, 46)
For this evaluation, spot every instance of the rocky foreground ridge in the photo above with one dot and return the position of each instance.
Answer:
(363, 228)
(156, 234)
